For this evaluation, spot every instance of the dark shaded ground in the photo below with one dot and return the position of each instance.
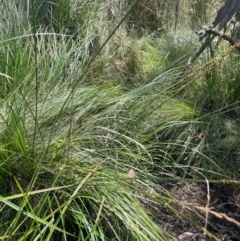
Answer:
(191, 206)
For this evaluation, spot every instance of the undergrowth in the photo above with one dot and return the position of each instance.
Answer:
(87, 136)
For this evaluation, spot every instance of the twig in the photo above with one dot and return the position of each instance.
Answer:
(210, 35)
(218, 33)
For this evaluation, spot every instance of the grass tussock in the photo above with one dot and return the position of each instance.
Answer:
(93, 124)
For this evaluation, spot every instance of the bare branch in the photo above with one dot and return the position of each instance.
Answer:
(215, 33)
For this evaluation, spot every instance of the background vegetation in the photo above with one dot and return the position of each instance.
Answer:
(95, 131)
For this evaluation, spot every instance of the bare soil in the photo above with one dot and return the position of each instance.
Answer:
(198, 214)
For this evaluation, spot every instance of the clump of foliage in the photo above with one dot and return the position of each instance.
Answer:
(92, 120)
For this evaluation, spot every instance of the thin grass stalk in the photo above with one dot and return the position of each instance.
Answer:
(34, 27)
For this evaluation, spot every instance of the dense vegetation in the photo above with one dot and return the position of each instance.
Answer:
(96, 126)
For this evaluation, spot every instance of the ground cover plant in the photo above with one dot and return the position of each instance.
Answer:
(99, 137)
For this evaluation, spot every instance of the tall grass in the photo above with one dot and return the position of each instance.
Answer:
(87, 136)
(58, 180)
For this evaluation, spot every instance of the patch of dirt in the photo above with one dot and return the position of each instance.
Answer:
(193, 215)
